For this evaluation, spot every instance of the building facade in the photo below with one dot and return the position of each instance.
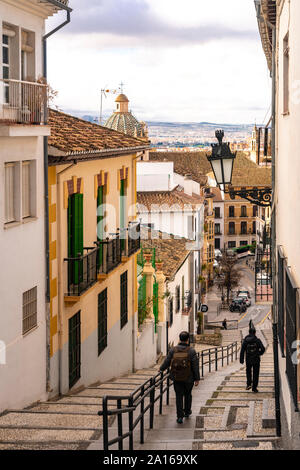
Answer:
(218, 205)
(23, 127)
(240, 222)
(93, 246)
(283, 17)
(172, 203)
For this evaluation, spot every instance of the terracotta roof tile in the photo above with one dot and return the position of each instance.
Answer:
(217, 194)
(245, 171)
(171, 250)
(74, 137)
(176, 197)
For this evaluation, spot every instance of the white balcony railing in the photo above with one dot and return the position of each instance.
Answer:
(23, 102)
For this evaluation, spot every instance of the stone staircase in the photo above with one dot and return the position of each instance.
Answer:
(225, 415)
(230, 336)
(68, 423)
(234, 418)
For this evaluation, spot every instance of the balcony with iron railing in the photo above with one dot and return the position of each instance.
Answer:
(23, 102)
(132, 239)
(82, 272)
(96, 263)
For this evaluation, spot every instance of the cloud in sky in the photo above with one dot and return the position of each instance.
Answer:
(189, 61)
(135, 19)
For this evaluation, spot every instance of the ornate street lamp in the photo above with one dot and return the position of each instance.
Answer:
(222, 160)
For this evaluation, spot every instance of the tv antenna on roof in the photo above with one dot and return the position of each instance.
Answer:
(104, 92)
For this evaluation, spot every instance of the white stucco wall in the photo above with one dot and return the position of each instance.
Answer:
(22, 245)
(287, 158)
(22, 254)
(155, 176)
(180, 322)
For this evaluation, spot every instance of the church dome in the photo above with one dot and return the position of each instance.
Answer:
(124, 121)
(122, 99)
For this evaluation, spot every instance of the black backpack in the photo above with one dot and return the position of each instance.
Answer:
(181, 365)
(252, 351)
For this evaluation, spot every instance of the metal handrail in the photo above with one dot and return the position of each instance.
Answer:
(162, 382)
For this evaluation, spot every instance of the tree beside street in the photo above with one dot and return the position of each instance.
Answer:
(230, 273)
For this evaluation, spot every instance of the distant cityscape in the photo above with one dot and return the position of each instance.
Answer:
(182, 135)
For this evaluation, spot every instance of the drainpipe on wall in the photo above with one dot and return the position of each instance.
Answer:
(46, 197)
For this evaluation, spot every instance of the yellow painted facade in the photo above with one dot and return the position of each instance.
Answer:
(85, 177)
(209, 239)
(240, 221)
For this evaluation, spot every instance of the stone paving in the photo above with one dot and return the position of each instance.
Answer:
(68, 423)
(225, 415)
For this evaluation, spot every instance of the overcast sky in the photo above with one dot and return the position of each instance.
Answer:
(180, 60)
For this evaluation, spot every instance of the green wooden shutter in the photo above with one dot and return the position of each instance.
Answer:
(77, 235)
(122, 211)
(100, 231)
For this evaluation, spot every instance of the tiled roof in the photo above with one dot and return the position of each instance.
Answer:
(252, 177)
(217, 194)
(196, 164)
(169, 198)
(78, 139)
(171, 250)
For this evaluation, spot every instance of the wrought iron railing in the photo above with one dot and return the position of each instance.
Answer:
(23, 102)
(82, 272)
(110, 254)
(291, 337)
(134, 238)
(143, 398)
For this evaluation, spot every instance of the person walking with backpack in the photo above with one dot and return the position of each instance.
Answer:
(253, 348)
(184, 364)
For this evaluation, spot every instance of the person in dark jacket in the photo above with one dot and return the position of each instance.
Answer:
(224, 324)
(253, 348)
(183, 390)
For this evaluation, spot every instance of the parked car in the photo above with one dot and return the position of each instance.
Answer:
(243, 295)
(238, 305)
(243, 291)
(218, 253)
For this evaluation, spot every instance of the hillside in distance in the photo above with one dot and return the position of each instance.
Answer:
(195, 134)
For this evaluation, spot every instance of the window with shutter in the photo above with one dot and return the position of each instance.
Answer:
(5, 67)
(26, 212)
(124, 299)
(102, 321)
(9, 192)
(29, 310)
(75, 236)
(100, 222)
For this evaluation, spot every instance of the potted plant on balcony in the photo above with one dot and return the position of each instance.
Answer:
(36, 101)
(147, 253)
(158, 265)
